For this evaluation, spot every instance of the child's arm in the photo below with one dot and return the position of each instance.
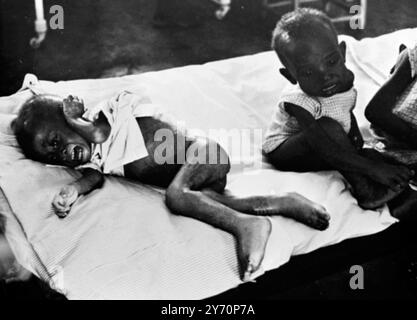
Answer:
(95, 132)
(91, 179)
(379, 110)
(346, 159)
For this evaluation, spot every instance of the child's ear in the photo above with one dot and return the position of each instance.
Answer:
(342, 47)
(287, 75)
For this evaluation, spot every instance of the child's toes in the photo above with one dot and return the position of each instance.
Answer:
(324, 223)
(320, 221)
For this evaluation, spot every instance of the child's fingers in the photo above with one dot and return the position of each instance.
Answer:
(59, 200)
(61, 210)
(61, 204)
(62, 214)
(58, 206)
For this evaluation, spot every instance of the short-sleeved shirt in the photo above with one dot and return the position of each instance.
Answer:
(406, 105)
(338, 107)
(125, 143)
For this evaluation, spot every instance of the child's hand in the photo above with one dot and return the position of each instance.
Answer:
(392, 176)
(64, 199)
(73, 107)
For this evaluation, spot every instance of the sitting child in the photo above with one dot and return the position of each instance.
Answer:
(121, 138)
(314, 127)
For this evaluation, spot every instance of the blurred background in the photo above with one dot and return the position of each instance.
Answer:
(105, 38)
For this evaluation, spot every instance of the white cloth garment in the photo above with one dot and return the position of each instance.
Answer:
(125, 143)
(337, 107)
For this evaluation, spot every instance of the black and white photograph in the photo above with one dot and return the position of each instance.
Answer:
(209, 155)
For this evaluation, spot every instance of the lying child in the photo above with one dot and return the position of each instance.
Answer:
(119, 138)
(314, 127)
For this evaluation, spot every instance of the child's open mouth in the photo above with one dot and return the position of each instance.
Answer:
(77, 153)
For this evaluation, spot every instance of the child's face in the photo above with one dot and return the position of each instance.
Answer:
(318, 65)
(56, 143)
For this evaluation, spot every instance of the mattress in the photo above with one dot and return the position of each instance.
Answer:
(121, 242)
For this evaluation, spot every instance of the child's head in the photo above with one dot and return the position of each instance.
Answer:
(44, 135)
(307, 45)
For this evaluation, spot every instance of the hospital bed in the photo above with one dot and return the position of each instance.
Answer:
(121, 242)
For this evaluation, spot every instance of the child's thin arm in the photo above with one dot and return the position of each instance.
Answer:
(318, 139)
(91, 179)
(380, 109)
(95, 132)
(345, 157)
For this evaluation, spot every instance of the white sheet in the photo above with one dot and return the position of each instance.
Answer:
(121, 242)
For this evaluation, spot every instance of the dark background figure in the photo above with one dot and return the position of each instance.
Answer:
(16, 55)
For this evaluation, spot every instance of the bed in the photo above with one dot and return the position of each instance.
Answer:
(121, 242)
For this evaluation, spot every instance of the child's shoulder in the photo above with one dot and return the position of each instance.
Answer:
(295, 95)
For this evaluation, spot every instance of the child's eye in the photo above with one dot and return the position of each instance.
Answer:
(333, 61)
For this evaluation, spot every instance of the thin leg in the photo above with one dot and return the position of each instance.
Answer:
(184, 197)
(289, 205)
(197, 192)
(296, 154)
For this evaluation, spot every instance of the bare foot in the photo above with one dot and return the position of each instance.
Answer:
(370, 194)
(376, 198)
(404, 206)
(252, 238)
(297, 207)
